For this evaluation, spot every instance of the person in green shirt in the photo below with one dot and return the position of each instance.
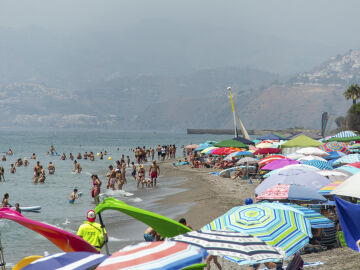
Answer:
(92, 231)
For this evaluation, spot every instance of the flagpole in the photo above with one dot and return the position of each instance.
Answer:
(233, 110)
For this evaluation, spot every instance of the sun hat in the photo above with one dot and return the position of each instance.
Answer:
(91, 216)
(141, 166)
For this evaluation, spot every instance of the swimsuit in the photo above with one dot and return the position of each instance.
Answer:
(133, 173)
(153, 175)
(148, 237)
(71, 201)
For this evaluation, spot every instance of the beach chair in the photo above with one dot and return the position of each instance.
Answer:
(328, 238)
(297, 263)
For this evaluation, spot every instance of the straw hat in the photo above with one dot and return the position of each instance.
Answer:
(141, 166)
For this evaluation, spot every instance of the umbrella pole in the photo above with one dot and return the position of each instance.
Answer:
(2, 260)
(103, 231)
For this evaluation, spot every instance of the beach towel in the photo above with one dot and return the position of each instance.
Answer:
(349, 216)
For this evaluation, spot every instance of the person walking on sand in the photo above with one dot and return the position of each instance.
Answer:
(154, 171)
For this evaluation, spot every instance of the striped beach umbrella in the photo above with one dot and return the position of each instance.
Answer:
(335, 146)
(355, 146)
(71, 260)
(350, 170)
(239, 247)
(207, 151)
(269, 159)
(345, 134)
(321, 165)
(316, 219)
(327, 189)
(155, 255)
(348, 159)
(274, 225)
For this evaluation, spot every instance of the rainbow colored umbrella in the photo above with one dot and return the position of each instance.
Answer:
(335, 146)
(275, 225)
(327, 189)
(207, 151)
(155, 255)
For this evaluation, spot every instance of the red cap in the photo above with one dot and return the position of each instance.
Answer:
(91, 216)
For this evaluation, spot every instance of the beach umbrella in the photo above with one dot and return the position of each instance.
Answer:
(210, 142)
(269, 159)
(354, 164)
(325, 191)
(192, 146)
(355, 146)
(262, 145)
(155, 255)
(334, 155)
(348, 159)
(345, 134)
(241, 248)
(208, 150)
(305, 158)
(295, 166)
(348, 169)
(231, 143)
(316, 219)
(295, 156)
(273, 224)
(244, 141)
(71, 260)
(303, 177)
(202, 146)
(346, 139)
(266, 151)
(350, 187)
(321, 165)
(237, 154)
(333, 175)
(280, 163)
(248, 160)
(314, 151)
(334, 146)
(286, 192)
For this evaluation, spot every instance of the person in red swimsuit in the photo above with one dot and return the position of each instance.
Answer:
(95, 191)
(154, 171)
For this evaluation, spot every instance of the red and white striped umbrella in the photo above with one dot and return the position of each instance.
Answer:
(155, 255)
(269, 159)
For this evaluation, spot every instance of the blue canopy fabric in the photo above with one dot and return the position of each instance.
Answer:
(349, 216)
(348, 169)
(71, 260)
(244, 141)
(303, 193)
(316, 219)
(269, 137)
(334, 155)
(202, 146)
(322, 165)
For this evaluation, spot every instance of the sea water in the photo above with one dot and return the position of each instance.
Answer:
(53, 195)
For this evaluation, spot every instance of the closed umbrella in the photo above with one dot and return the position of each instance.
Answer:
(280, 163)
(239, 247)
(273, 224)
(303, 177)
(154, 255)
(71, 260)
(286, 192)
(314, 151)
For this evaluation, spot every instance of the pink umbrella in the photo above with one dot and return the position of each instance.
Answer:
(280, 163)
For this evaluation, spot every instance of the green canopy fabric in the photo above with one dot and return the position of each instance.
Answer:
(301, 141)
(280, 135)
(231, 143)
(348, 139)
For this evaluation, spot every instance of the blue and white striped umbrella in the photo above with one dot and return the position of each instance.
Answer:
(322, 165)
(237, 154)
(273, 224)
(71, 260)
(348, 159)
(345, 134)
(316, 219)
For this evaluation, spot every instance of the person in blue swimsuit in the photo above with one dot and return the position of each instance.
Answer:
(73, 196)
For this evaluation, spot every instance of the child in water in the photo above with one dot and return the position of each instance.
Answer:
(73, 196)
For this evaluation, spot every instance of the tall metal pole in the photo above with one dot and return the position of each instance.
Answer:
(2, 259)
(233, 110)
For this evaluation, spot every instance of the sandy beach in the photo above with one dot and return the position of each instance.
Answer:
(212, 196)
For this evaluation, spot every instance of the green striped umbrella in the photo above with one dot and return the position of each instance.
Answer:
(275, 224)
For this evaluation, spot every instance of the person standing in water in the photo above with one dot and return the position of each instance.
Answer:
(154, 171)
(42, 176)
(133, 173)
(141, 176)
(128, 161)
(12, 168)
(51, 168)
(17, 208)
(95, 191)
(5, 201)
(77, 167)
(73, 196)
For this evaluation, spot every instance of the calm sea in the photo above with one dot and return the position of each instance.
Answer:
(53, 195)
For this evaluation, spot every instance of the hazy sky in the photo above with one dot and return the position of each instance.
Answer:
(331, 24)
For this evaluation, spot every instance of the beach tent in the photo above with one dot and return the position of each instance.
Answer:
(298, 143)
(231, 143)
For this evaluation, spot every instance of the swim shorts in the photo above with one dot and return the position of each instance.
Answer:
(153, 175)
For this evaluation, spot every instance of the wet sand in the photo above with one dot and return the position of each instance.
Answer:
(212, 196)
